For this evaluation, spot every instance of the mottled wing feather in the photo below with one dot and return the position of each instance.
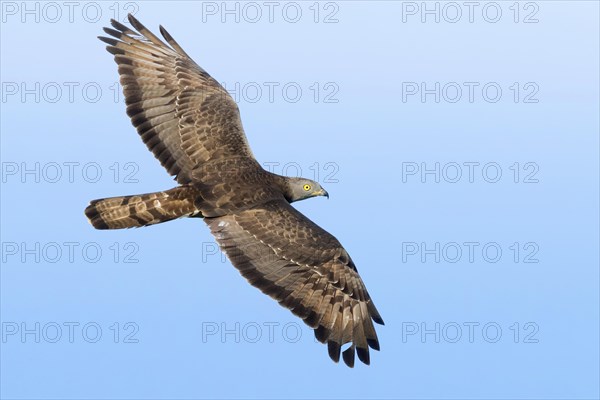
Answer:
(143, 209)
(290, 258)
(183, 115)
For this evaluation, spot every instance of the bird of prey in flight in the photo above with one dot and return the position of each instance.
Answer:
(193, 127)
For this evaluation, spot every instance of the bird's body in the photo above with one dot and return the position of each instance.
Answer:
(193, 127)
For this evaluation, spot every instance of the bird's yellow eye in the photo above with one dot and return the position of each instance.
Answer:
(307, 187)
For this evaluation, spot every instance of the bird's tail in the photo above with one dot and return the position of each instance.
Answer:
(142, 209)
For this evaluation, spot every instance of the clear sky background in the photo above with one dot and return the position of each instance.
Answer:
(461, 156)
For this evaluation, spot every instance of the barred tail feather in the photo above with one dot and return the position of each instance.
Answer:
(143, 209)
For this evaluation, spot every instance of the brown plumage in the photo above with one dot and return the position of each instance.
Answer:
(143, 209)
(193, 127)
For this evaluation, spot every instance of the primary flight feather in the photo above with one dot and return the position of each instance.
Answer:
(193, 127)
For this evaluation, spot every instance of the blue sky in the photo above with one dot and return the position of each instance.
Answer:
(459, 145)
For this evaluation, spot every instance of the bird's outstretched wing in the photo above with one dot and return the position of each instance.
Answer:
(184, 116)
(299, 264)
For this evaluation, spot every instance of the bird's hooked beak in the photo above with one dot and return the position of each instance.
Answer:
(323, 192)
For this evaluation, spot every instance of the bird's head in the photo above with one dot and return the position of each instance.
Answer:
(301, 188)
